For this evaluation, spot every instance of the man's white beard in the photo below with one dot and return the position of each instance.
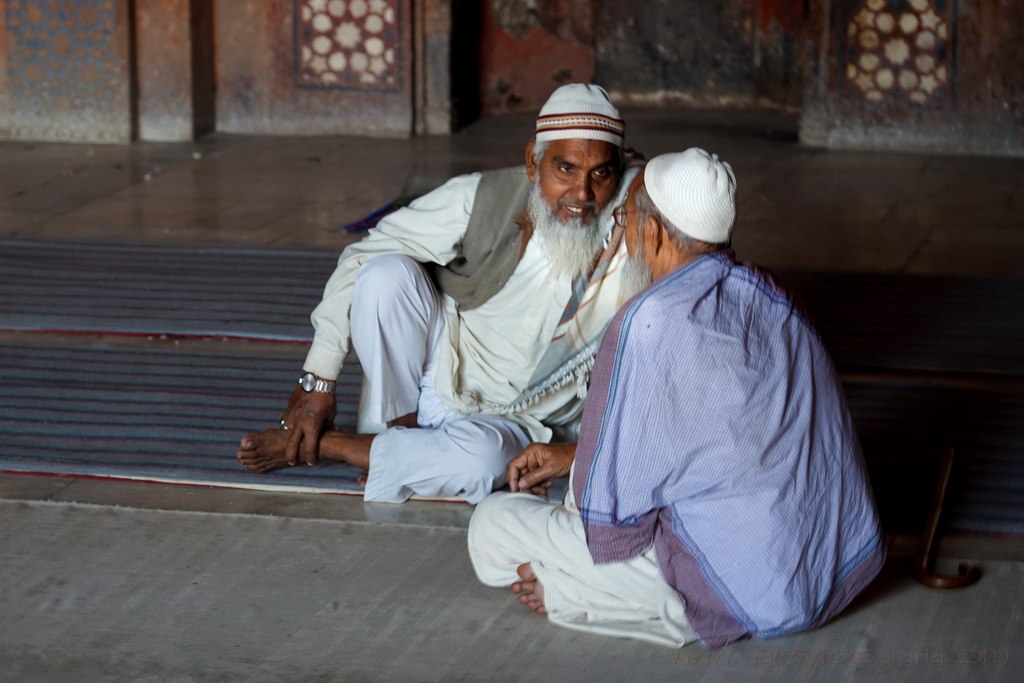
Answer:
(636, 276)
(572, 246)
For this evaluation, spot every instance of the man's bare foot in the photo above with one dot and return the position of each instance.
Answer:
(529, 590)
(263, 451)
(361, 479)
(266, 451)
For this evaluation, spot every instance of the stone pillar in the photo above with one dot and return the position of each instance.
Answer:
(433, 67)
(5, 105)
(174, 67)
(927, 75)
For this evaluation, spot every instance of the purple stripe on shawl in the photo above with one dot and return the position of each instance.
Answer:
(707, 613)
(597, 401)
(619, 543)
(854, 582)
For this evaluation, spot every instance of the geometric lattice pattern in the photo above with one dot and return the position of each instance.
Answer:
(67, 68)
(900, 51)
(348, 44)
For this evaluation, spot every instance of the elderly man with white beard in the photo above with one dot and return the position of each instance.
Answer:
(475, 313)
(717, 487)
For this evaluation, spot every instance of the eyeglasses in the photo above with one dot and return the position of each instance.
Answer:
(619, 215)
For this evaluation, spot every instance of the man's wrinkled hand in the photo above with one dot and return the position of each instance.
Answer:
(308, 415)
(533, 469)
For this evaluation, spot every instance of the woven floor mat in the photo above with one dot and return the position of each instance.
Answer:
(248, 293)
(155, 415)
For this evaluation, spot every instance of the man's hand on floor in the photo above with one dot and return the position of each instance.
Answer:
(307, 416)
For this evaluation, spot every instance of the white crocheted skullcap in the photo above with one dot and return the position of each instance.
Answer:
(696, 191)
(580, 111)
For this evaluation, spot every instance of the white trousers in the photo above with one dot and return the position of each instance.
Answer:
(627, 599)
(397, 328)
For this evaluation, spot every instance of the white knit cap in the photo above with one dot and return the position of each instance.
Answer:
(695, 191)
(580, 111)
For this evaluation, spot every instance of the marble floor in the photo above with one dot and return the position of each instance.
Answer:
(799, 208)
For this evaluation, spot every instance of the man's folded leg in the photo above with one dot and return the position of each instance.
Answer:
(396, 328)
(464, 457)
(628, 599)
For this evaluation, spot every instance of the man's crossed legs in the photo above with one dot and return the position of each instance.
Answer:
(540, 550)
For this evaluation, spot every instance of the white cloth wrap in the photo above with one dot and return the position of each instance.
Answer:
(626, 599)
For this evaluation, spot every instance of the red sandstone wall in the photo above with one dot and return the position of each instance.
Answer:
(526, 53)
(691, 52)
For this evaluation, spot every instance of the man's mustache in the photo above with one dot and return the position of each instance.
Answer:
(589, 205)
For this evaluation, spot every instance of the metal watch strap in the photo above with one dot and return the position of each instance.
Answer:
(319, 385)
(324, 386)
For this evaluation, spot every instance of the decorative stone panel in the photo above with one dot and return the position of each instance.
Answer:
(348, 44)
(314, 67)
(67, 70)
(900, 52)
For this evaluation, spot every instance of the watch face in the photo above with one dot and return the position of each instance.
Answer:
(307, 381)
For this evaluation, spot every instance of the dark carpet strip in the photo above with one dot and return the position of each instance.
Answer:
(904, 430)
(154, 415)
(190, 291)
(930, 362)
(916, 322)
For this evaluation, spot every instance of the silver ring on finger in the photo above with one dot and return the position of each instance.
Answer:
(283, 425)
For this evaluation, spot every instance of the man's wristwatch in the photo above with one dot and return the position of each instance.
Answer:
(311, 383)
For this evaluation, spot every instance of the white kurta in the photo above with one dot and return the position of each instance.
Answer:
(492, 350)
(429, 231)
(499, 343)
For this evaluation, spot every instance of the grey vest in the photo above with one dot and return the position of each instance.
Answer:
(491, 245)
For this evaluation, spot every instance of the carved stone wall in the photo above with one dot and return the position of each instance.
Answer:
(66, 71)
(871, 74)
